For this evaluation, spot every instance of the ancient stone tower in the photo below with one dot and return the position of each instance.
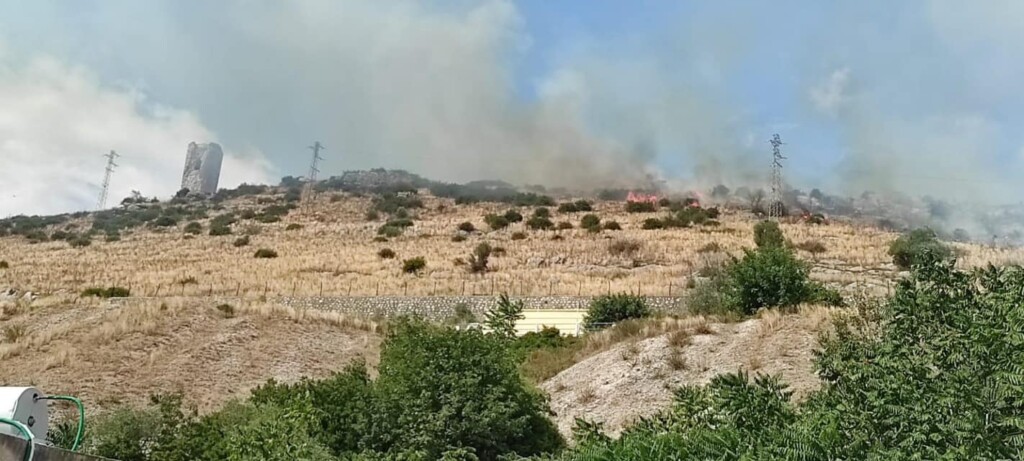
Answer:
(202, 168)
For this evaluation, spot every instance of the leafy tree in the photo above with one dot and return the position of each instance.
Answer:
(768, 277)
(768, 234)
(540, 223)
(542, 212)
(917, 247)
(414, 265)
(503, 317)
(590, 221)
(605, 310)
(513, 216)
(496, 222)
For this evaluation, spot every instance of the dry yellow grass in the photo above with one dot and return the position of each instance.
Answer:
(334, 254)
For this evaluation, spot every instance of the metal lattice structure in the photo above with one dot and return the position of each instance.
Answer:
(775, 204)
(313, 170)
(106, 179)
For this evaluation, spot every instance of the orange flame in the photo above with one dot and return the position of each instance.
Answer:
(639, 197)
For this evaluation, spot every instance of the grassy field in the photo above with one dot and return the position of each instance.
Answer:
(334, 253)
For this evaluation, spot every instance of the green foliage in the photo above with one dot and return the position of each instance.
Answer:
(80, 241)
(467, 227)
(241, 241)
(496, 222)
(372, 215)
(540, 223)
(609, 309)
(386, 253)
(219, 230)
(612, 226)
(265, 253)
(502, 318)
(459, 238)
(194, 228)
(768, 234)
(590, 221)
(479, 258)
(918, 247)
(414, 265)
(641, 207)
(772, 276)
(513, 216)
(227, 310)
(652, 224)
(293, 226)
(542, 212)
(567, 207)
(165, 221)
(518, 236)
(389, 231)
(111, 292)
(564, 225)
(391, 203)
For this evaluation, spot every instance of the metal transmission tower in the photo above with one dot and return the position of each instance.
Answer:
(106, 179)
(775, 206)
(313, 170)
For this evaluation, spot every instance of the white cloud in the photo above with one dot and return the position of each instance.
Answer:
(56, 123)
(831, 95)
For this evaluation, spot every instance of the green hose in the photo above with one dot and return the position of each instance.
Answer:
(30, 449)
(81, 415)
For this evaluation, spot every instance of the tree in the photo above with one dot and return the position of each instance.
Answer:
(770, 276)
(917, 247)
(503, 317)
(590, 221)
(768, 234)
(609, 309)
(496, 222)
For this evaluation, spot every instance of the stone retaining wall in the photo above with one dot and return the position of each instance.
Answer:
(443, 307)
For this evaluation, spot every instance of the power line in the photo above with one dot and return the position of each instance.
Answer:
(313, 169)
(106, 179)
(775, 206)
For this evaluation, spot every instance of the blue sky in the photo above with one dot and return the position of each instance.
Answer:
(905, 97)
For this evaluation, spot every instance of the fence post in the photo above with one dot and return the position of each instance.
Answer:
(321, 288)
(405, 289)
(378, 289)
(463, 288)
(238, 289)
(579, 291)
(266, 286)
(669, 289)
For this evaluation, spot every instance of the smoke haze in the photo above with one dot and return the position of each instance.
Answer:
(908, 98)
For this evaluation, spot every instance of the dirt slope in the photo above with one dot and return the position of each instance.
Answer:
(110, 355)
(633, 380)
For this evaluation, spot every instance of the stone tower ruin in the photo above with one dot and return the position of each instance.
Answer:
(202, 168)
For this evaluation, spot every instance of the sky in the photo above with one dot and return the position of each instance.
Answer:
(913, 97)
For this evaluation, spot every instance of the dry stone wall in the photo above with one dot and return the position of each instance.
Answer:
(443, 307)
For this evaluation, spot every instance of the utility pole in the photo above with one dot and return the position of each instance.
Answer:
(106, 179)
(775, 206)
(313, 169)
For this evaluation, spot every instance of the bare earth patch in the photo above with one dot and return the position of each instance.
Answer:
(636, 379)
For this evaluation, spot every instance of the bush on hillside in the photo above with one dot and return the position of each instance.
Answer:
(479, 258)
(564, 225)
(641, 207)
(193, 228)
(612, 226)
(220, 230)
(496, 222)
(111, 292)
(624, 247)
(241, 241)
(768, 234)
(609, 309)
(590, 221)
(389, 231)
(772, 276)
(459, 238)
(265, 253)
(467, 227)
(293, 226)
(386, 253)
(414, 265)
(652, 224)
(540, 223)
(5, 265)
(917, 247)
(513, 216)
(518, 236)
(542, 212)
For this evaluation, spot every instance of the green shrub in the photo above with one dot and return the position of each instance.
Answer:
(564, 225)
(590, 221)
(513, 216)
(918, 247)
(583, 205)
(496, 222)
(111, 292)
(770, 276)
(467, 227)
(372, 215)
(479, 259)
(414, 265)
(220, 230)
(80, 241)
(293, 226)
(768, 234)
(248, 214)
(389, 231)
(380, 239)
(265, 253)
(640, 207)
(518, 236)
(540, 223)
(542, 212)
(165, 221)
(112, 237)
(241, 241)
(653, 223)
(605, 310)
(459, 238)
(194, 228)
(612, 226)
(386, 253)
(567, 208)
(502, 318)
(226, 310)
(5, 265)
(268, 219)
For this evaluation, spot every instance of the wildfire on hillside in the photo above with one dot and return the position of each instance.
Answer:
(640, 197)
